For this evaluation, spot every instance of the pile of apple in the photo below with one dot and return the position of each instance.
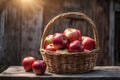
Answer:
(71, 40)
(31, 64)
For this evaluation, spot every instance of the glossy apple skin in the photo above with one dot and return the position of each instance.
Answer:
(73, 34)
(48, 40)
(86, 50)
(50, 47)
(75, 46)
(60, 41)
(27, 63)
(39, 67)
(83, 37)
(88, 43)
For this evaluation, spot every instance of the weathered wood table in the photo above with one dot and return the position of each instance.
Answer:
(99, 73)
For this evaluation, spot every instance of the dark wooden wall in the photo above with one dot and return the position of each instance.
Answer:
(117, 38)
(117, 32)
(20, 33)
(21, 29)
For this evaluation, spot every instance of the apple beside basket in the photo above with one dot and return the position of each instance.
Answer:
(77, 62)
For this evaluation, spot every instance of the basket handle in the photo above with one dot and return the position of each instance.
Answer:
(66, 15)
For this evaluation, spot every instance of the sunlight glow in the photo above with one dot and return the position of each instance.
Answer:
(29, 5)
(27, 1)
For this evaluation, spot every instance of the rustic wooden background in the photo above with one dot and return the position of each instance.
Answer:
(117, 38)
(21, 28)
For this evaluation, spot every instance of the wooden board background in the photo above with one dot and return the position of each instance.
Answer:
(117, 38)
(20, 31)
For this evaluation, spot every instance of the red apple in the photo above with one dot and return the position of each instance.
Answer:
(48, 40)
(86, 50)
(50, 47)
(75, 46)
(60, 41)
(39, 67)
(27, 63)
(73, 34)
(83, 37)
(88, 43)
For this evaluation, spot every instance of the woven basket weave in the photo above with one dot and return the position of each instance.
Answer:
(78, 62)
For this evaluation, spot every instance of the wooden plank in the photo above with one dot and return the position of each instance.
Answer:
(11, 36)
(99, 72)
(111, 33)
(101, 12)
(3, 4)
(117, 31)
(2, 24)
(117, 5)
(31, 31)
(117, 38)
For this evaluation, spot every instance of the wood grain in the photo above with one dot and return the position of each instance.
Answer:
(31, 31)
(20, 33)
(11, 38)
(99, 72)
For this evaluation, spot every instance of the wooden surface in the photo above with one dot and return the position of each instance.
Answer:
(99, 72)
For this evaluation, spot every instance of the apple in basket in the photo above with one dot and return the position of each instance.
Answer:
(75, 46)
(50, 47)
(27, 63)
(86, 50)
(48, 40)
(60, 41)
(72, 34)
(39, 67)
(88, 43)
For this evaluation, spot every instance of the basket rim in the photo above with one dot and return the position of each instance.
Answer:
(43, 51)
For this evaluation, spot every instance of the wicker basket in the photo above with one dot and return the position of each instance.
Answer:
(78, 62)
